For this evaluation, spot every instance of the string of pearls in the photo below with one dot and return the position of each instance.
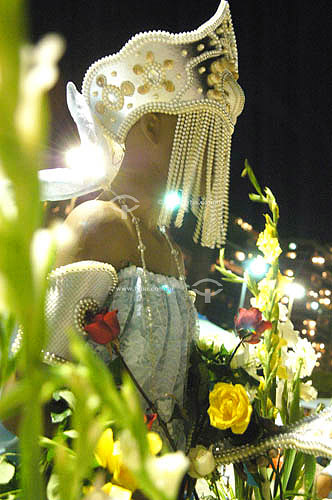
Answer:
(200, 136)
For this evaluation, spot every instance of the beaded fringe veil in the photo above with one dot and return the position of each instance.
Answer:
(199, 168)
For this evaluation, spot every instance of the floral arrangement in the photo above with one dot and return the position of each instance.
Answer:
(255, 374)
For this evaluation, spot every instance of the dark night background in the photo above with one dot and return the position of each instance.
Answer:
(285, 66)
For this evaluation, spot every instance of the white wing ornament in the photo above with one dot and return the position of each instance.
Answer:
(106, 157)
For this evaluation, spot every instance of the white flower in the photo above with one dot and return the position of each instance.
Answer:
(246, 358)
(253, 302)
(287, 332)
(303, 353)
(202, 461)
(129, 450)
(209, 341)
(279, 391)
(167, 471)
(283, 312)
(241, 357)
(307, 391)
(39, 72)
(212, 336)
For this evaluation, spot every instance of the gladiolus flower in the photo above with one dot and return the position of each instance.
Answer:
(250, 325)
(268, 244)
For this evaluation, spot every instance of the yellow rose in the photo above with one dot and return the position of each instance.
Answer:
(229, 407)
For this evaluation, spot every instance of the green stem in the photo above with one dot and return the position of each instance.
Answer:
(215, 488)
(149, 402)
(265, 485)
(237, 347)
(11, 492)
(276, 472)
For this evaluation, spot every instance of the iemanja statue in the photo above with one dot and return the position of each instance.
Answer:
(162, 112)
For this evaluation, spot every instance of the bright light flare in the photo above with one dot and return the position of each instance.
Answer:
(88, 159)
(317, 259)
(241, 256)
(172, 200)
(314, 305)
(295, 290)
(258, 266)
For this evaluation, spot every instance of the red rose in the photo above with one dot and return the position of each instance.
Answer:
(104, 328)
(249, 324)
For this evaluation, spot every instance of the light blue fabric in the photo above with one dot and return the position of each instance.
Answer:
(8, 442)
(158, 358)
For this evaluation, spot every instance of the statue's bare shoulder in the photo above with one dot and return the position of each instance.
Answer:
(98, 231)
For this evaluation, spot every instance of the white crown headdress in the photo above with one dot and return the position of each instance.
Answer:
(168, 73)
(192, 75)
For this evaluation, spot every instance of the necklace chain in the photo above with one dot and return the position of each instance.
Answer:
(147, 306)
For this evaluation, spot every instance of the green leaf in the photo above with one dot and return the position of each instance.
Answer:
(229, 276)
(309, 472)
(204, 382)
(296, 472)
(60, 417)
(287, 467)
(7, 472)
(68, 396)
(252, 284)
(256, 197)
(232, 279)
(284, 407)
(295, 410)
(249, 171)
(270, 196)
(71, 433)
(269, 221)
(13, 399)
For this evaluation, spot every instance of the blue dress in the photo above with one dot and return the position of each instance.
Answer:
(158, 356)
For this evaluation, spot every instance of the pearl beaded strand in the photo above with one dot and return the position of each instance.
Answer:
(198, 133)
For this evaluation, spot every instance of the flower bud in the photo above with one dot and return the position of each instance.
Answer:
(202, 462)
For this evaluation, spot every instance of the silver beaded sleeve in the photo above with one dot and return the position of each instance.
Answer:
(312, 435)
(73, 290)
